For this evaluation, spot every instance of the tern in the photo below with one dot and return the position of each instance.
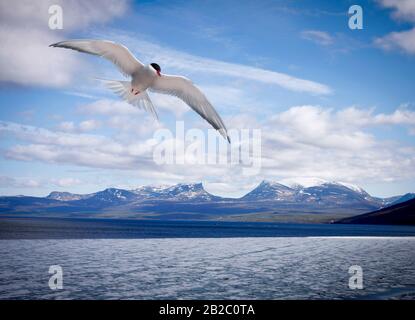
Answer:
(146, 77)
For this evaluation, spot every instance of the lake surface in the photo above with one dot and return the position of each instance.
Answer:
(149, 260)
(54, 228)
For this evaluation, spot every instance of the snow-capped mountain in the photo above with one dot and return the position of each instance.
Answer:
(178, 192)
(107, 195)
(302, 182)
(192, 200)
(335, 193)
(67, 196)
(322, 193)
(269, 190)
(181, 191)
(352, 187)
(307, 182)
(112, 195)
(310, 190)
(149, 192)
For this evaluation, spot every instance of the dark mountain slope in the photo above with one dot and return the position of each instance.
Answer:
(399, 214)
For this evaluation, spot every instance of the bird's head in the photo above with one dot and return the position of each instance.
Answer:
(157, 68)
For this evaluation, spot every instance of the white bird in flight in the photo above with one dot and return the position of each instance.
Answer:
(146, 77)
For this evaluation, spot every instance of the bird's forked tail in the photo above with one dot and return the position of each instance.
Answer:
(123, 89)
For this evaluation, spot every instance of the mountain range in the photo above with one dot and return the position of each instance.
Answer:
(269, 201)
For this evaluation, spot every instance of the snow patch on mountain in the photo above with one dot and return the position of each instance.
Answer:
(303, 182)
(352, 187)
(308, 182)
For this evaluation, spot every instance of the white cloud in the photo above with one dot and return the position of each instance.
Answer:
(121, 116)
(305, 141)
(22, 58)
(315, 126)
(84, 126)
(319, 37)
(89, 125)
(120, 107)
(66, 182)
(312, 141)
(44, 136)
(169, 103)
(77, 14)
(8, 182)
(81, 94)
(67, 126)
(110, 107)
(402, 116)
(134, 127)
(403, 40)
(73, 148)
(402, 9)
(25, 57)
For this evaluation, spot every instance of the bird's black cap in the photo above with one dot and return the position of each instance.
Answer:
(155, 66)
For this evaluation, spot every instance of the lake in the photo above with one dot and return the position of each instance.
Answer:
(107, 259)
(77, 228)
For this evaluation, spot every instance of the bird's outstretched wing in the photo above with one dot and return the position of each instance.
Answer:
(114, 52)
(184, 89)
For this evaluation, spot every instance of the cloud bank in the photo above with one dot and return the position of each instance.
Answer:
(304, 141)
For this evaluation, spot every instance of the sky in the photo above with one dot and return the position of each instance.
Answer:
(330, 102)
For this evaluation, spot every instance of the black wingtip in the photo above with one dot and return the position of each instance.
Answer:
(56, 44)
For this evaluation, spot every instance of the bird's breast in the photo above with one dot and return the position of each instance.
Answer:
(143, 79)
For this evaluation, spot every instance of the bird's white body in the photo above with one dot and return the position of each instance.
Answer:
(143, 78)
(147, 77)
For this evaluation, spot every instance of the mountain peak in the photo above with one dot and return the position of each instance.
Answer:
(183, 191)
(180, 191)
(196, 185)
(309, 182)
(65, 196)
(114, 194)
(404, 198)
(310, 190)
(271, 183)
(351, 187)
(269, 190)
(303, 182)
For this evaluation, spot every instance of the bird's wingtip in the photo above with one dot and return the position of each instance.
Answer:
(224, 134)
(56, 44)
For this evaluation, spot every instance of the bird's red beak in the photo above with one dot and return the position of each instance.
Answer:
(158, 72)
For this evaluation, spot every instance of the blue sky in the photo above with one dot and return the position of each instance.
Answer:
(331, 102)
